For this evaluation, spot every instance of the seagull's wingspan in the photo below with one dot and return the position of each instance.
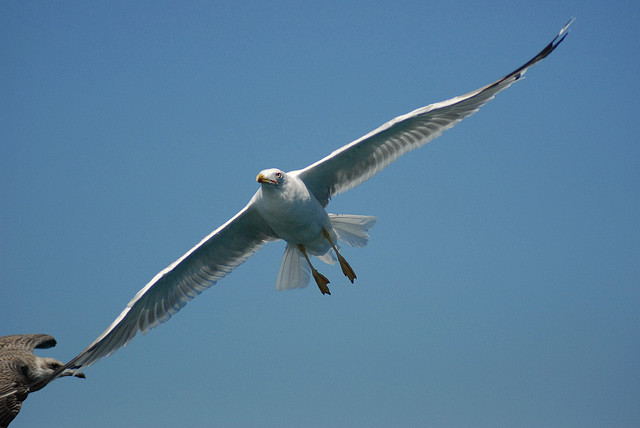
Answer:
(235, 241)
(213, 258)
(358, 161)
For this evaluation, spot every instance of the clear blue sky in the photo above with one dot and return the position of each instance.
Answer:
(501, 286)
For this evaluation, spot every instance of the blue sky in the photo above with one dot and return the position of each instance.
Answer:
(501, 283)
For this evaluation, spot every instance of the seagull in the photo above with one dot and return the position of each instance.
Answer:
(292, 206)
(22, 372)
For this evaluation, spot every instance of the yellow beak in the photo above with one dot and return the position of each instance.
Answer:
(262, 179)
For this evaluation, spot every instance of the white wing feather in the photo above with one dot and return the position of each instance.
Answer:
(206, 263)
(358, 161)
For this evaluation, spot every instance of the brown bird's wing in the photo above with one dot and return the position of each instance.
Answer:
(27, 342)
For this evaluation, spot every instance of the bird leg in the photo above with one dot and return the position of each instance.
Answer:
(321, 280)
(346, 268)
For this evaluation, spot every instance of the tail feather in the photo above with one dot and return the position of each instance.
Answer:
(294, 270)
(329, 257)
(352, 229)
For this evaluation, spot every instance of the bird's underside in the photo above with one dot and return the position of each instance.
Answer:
(319, 278)
(294, 214)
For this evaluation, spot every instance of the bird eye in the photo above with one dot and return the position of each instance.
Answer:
(278, 175)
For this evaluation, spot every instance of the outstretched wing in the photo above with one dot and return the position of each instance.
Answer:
(358, 161)
(206, 263)
(27, 342)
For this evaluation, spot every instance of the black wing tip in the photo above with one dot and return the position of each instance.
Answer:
(554, 43)
(563, 33)
(566, 26)
(517, 74)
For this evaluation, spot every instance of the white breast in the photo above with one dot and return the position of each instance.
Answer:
(294, 214)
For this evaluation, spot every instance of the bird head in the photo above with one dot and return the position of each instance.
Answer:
(271, 176)
(47, 366)
(45, 370)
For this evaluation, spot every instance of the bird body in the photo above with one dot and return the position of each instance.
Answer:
(292, 211)
(291, 206)
(22, 372)
(295, 215)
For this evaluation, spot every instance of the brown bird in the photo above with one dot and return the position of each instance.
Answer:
(22, 372)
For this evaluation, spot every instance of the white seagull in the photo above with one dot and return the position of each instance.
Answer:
(291, 206)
